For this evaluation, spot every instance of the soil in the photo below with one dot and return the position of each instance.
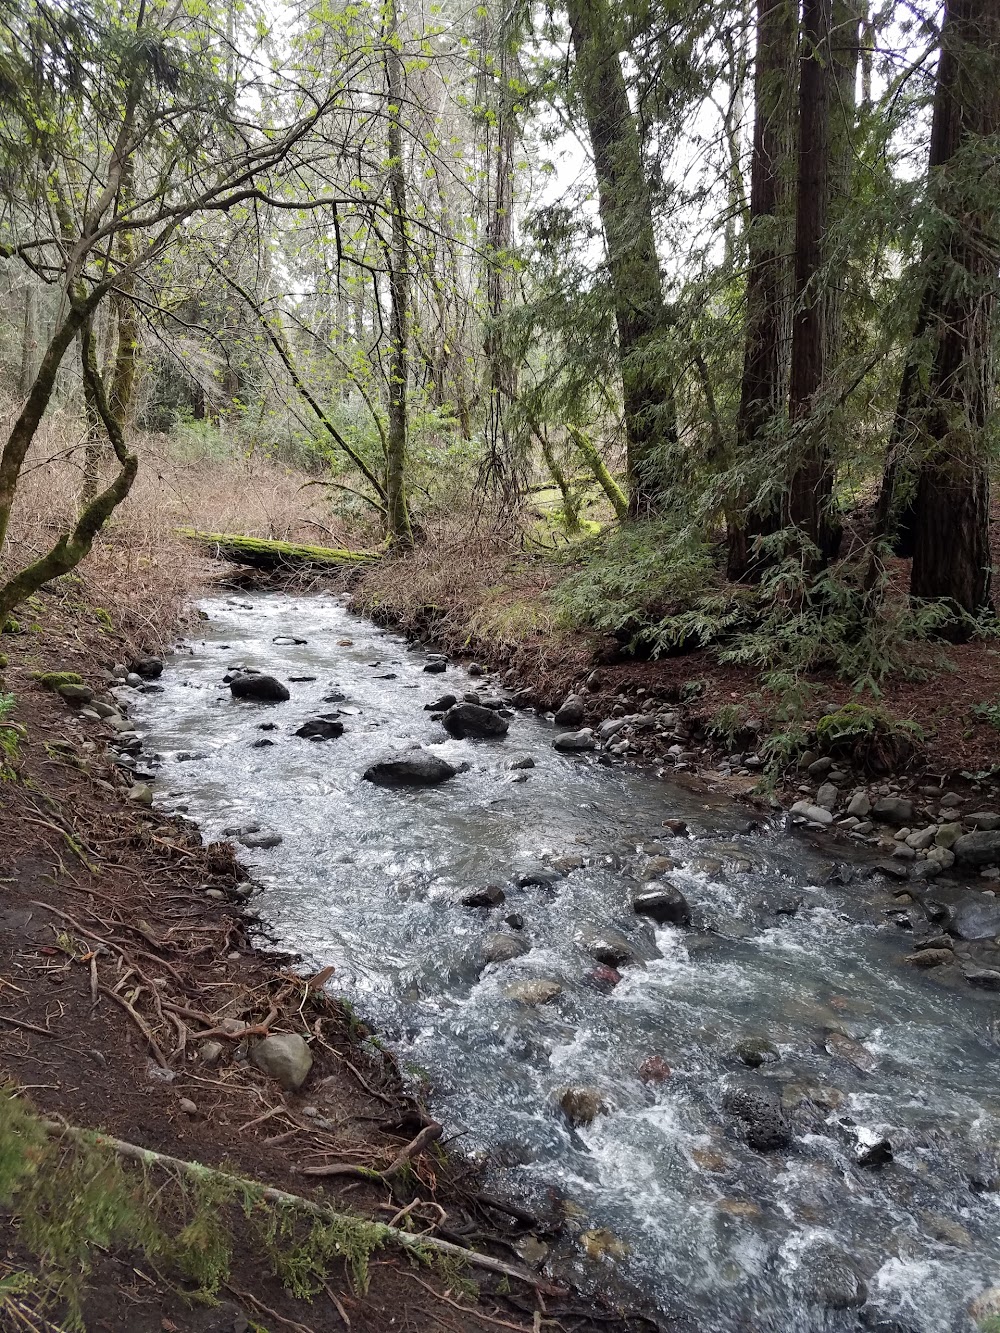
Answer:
(123, 941)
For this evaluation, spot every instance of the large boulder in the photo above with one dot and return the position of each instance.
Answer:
(570, 713)
(975, 916)
(263, 689)
(981, 848)
(149, 668)
(286, 1057)
(664, 903)
(474, 720)
(321, 729)
(410, 770)
(758, 1109)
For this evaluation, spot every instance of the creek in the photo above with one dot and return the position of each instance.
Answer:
(661, 1196)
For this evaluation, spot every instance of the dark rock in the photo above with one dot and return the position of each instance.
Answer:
(435, 668)
(755, 1051)
(335, 698)
(895, 810)
(978, 849)
(759, 1111)
(538, 877)
(874, 1154)
(149, 668)
(474, 669)
(975, 917)
(441, 705)
(571, 711)
(262, 744)
(603, 978)
(664, 903)
(262, 689)
(261, 840)
(515, 920)
(575, 740)
(288, 640)
(491, 896)
(473, 720)
(300, 680)
(321, 729)
(986, 820)
(525, 761)
(412, 770)
(894, 869)
(832, 1279)
(607, 946)
(75, 694)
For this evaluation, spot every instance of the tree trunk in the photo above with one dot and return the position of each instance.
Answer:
(29, 340)
(808, 498)
(953, 415)
(764, 389)
(397, 515)
(630, 243)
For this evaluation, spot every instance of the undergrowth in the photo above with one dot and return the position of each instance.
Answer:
(70, 1201)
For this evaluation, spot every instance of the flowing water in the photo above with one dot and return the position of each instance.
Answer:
(661, 1187)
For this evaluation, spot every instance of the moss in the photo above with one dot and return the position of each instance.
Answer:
(52, 680)
(11, 626)
(260, 553)
(103, 617)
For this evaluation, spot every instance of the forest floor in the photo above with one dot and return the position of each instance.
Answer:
(123, 942)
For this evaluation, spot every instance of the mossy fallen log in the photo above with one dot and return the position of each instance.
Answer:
(260, 553)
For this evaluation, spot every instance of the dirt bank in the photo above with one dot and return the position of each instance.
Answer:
(127, 979)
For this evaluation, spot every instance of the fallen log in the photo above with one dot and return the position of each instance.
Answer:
(261, 553)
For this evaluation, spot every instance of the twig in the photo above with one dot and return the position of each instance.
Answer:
(28, 1027)
(468, 1309)
(140, 1023)
(424, 1139)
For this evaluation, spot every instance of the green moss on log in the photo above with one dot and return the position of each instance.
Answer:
(259, 553)
(54, 680)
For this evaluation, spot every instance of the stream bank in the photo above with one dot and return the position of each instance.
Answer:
(98, 887)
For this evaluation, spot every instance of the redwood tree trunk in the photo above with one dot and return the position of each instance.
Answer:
(627, 220)
(953, 414)
(810, 485)
(764, 389)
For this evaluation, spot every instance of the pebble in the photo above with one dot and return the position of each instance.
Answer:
(187, 1106)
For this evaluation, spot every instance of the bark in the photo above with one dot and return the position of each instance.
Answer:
(955, 413)
(397, 515)
(764, 388)
(808, 498)
(627, 220)
(29, 338)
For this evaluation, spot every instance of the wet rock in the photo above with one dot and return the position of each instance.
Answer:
(945, 1230)
(607, 946)
(582, 1105)
(533, 993)
(133, 679)
(895, 870)
(758, 1110)
(981, 848)
(262, 744)
(441, 705)
(600, 1243)
(603, 978)
(983, 978)
(501, 948)
(832, 1280)
(845, 1048)
(570, 741)
(515, 920)
(895, 810)
(755, 1051)
(676, 826)
(262, 689)
(149, 668)
(654, 1069)
(286, 1057)
(261, 840)
(474, 720)
(435, 668)
(490, 896)
(987, 1303)
(665, 904)
(411, 770)
(976, 916)
(816, 814)
(874, 1153)
(571, 712)
(525, 761)
(538, 877)
(930, 958)
(321, 729)
(986, 820)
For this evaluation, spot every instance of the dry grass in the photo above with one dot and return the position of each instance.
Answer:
(476, 592)
(139, 570)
